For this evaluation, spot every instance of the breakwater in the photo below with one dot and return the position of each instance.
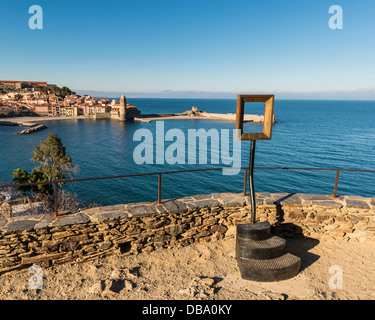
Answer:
(143, 227)
(200, 115)
(33, 127)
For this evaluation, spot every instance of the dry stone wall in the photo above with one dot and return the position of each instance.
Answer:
(132, 228)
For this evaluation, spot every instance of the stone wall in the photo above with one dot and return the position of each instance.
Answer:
(144, 227)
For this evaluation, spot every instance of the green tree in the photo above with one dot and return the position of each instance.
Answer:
(55, 164)
(20, 177)
(64, 91)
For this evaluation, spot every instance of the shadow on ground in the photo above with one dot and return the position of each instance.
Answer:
(296, 243)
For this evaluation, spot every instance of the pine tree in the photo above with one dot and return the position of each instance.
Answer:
(55, 164)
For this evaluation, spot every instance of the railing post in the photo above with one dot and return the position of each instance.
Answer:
(336, 183)
(56, 191)
(245, 182)
(159, 188)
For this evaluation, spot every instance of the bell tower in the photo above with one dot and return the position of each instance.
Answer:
(122, 108)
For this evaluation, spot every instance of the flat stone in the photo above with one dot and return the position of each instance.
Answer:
(174, 206)
(116, 207)
(281, 195)
(269, 201)
(71, 219)
(44, 221)
(21, 225)
(145, 209)
(309, 197)
(326, 203)
(262, 194)
(185, 199)
(202, 197)
(216, 195)
(108, 215)
(233, 201)
(3, 222)
(356, 204)
(288, 199)
(203, 203)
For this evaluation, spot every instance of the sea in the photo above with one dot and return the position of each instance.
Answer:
(307, 134)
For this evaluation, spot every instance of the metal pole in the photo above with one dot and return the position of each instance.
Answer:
(159, 188)
(245, 183)
(336, 183)
(251, 180)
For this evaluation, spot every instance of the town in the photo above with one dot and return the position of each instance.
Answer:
(31, 98)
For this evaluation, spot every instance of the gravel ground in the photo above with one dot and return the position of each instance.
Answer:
(201, 271)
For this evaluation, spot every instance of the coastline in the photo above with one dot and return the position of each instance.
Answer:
(27, 121)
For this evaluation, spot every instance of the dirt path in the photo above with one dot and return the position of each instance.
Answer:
(202, 271)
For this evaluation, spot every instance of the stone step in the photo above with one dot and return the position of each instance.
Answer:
(270, 248)
(255, 231)
(282, 268)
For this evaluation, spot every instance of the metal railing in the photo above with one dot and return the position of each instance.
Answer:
(159, 174)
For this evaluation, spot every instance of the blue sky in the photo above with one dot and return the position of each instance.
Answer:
(189, 48)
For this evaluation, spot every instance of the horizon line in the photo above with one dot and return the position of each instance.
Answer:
(355, 95)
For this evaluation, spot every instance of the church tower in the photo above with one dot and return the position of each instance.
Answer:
(123, 108)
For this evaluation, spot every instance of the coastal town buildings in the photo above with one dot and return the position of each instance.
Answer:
(34, 98)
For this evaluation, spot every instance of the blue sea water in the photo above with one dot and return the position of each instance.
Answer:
(308, 133)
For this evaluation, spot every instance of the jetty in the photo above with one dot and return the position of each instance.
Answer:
(196, 114)
(32, 127)
(35, 128)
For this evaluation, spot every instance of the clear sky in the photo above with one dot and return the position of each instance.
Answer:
(187, 48)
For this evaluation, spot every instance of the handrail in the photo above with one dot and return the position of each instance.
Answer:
(159, 174)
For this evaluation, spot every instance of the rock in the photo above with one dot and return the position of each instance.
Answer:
(113, 286)
(207, 281)
(97, 288)
(21, 225)
(219, 228)
(128, 285)
(187, 292)
(229, 202)
(116, 274)
(132, 273)
(6, 210)
(275, 296)
(356, 204)
(136, 210)
(174, 229)
(71, 219)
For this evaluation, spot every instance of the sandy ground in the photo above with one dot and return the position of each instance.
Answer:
(201, 271)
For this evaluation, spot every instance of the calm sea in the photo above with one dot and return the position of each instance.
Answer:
(321, 134)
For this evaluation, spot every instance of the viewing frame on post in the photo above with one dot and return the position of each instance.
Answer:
(254, 136)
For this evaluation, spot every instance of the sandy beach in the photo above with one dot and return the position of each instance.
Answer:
(205, 271)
